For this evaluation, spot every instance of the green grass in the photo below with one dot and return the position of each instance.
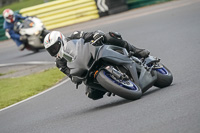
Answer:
(22, 4)
(13, 90)
(10, 72)
(1, 74)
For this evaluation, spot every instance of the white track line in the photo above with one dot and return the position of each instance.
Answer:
(27, 63)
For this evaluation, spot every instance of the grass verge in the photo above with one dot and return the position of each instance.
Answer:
(13, 90)
(1, 74)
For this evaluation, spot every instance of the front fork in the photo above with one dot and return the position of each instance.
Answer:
(142, 76)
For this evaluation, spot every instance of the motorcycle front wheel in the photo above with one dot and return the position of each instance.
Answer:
(125, 89)
(164, 77)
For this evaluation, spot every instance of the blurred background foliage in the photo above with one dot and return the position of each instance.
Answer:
(16, 5)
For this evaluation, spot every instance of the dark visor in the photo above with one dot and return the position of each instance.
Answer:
(10, 17)
(54, 49)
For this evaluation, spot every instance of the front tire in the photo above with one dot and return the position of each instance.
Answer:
(164, 77)
(127, 90)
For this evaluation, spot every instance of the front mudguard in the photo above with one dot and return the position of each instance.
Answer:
(147, 79)
(151, 59)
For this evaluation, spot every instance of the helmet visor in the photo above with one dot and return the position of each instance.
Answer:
(54, 49)
(9, 17)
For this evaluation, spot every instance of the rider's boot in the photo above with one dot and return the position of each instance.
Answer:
(93, 93)
(21, 47)
(115, 38)
(141, 53)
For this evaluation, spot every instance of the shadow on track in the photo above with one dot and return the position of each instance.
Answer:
(118, 102)
(32, 53)
(84, 112)
(125, 101)
(95, 109)
(109, 105)
(153, 90)
(74, 113)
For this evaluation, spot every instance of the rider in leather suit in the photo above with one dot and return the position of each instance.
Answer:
(10, 19)
(111, 38)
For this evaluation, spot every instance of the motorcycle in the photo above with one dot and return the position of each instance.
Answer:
(112, 69)
(34, 32)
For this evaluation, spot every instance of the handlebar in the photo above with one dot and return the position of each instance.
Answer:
(98, 39)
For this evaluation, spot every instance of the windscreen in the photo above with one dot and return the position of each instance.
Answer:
(27, 23)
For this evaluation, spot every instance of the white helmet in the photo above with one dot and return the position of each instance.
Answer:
(54, 43)
(8, 15)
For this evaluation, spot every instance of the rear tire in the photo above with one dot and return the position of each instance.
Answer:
(164, 77)
(116, 87)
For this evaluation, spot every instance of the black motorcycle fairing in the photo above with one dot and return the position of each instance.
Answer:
(114, 54)
(146, 79)
(84, 56)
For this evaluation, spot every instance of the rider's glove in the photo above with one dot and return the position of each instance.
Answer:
(62, 65)
(98, 34)
(77, 35)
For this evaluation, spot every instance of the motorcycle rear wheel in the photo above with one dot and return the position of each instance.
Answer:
(128, 90)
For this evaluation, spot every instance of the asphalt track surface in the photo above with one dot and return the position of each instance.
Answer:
(170, 31)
